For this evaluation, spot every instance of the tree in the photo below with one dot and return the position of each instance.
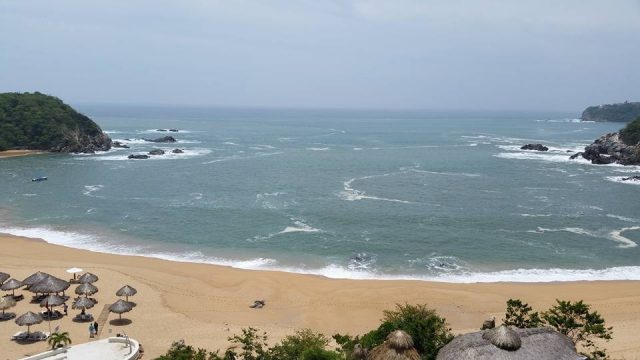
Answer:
(58, 339)
(180, 351)
(631, 133)
(582, 326)
(519, 315)
(294, 346)
(252, 344)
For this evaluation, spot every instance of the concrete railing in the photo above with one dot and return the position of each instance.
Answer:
(53, 354)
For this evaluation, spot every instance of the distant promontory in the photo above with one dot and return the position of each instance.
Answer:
(622, 112)
(36, 121)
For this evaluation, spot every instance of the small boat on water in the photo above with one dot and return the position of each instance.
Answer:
(40, 178)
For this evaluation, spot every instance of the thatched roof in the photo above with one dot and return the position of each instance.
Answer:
(82, 303)
(4, 277)
(86, 289)
(35, 278)
(120, 307)
(7, 302)
(29, 318)
(539, 343)
(87, 278)
(126, 291)
(53, 300)
(398, 346)
(50, 284)
(11, 284)
(503, 337)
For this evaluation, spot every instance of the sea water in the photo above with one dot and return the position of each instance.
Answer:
(344, 194)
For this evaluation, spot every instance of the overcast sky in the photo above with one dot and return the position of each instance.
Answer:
(395, 54)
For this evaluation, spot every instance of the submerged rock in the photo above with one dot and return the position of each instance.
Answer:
(118, 144)
(631, 178)
(537, 147)
(177, 151)
(138, 156)
(156, 152)
(164, 139)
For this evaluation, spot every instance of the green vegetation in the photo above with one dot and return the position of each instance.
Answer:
(631, 133)
(40, 122)
(573, 319)
(58, 339)
(623, 112)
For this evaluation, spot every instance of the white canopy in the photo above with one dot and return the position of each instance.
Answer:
(74, 270)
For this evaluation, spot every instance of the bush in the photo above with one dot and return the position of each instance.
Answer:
(252, 344)
(519, 315)
(318, 354)
(180, 351)
(292, 347)
(631, 133)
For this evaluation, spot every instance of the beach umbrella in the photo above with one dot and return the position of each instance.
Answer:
(4, 277)
(74, 271)
(87, 278)
(82, 303)
(29, 318)
(35, 278)
(6, 302)
(126, 291)
(120, 307)
(503, 343)
(398, 346)
(53, 300)
(49, 285)
(86, 289)
(11, 284)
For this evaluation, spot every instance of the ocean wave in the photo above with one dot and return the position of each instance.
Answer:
(351, 194)
(556, 158)
(187, 153)
(90, 189)
(318, 149)
(615, 235)
(334, 271)
(623, 218)
(619, 179)
(241, 157)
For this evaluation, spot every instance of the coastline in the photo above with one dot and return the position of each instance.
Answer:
(16, 153)
(206, 303)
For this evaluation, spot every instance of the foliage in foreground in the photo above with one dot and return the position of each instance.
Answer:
(58, 339)
(631, 133)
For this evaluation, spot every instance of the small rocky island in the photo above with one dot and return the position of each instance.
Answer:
(623, 112)
(622, 147)
(34, 121)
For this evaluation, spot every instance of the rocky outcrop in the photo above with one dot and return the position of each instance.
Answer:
(622, 112)
(156, 152)
(609, 149)
(77, 142)
(118, 144)
(164, 139)
(631, 178)
(138, 156)
(177, 151)
(536, 147)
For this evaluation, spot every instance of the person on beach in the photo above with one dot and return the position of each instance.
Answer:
(90, 330)
(65, 308)
(95, 327)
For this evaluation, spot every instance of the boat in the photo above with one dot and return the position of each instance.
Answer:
(41, 178)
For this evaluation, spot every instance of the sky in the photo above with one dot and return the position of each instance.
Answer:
(395, 54)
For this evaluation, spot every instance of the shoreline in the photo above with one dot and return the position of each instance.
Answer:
(207, 303)
(16, 153)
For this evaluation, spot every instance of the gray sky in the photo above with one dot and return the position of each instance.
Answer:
(396, 54)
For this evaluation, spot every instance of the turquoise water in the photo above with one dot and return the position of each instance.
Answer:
(346, 194)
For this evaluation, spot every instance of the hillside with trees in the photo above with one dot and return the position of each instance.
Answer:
(623, 112)
(36, 121)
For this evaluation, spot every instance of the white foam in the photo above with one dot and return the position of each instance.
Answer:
(299, 227)
(556, 158)
(623, 218)
(619, 179)
(187, 153)
(90, 189)
(239, 157)
(357, 148)
(230, 143)
(318, 149)
(351, 194)
(625, 242)
(615, 235)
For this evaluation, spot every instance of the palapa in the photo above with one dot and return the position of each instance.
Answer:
(82, 303)
(87, 278)
(35, 278)
(537, 343)
(29, 318)
(120, 307)
(50, 285)
(6, 302)
(398, 346)
(53, 300)
(4, 277)
(11, 284)
(126, 291)
(86, 289)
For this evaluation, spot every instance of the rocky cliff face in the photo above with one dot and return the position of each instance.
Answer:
(609, 149)
(77, 142)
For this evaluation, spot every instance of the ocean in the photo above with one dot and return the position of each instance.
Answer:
(439, 196)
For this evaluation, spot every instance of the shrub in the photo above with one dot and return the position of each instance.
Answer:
(519, 315)
(180, 351)
(631, 133)
(292, 347)
(252, 344)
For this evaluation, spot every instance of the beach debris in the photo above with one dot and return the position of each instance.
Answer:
(489, 324)
(258, 304)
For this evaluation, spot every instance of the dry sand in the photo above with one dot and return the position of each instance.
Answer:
(204, 304)
(14, 153)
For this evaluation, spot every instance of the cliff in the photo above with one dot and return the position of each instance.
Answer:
(36, 121)
(623, 112)
(622, 147)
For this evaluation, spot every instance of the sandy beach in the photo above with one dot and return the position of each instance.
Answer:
(15, 153)
(204, 304)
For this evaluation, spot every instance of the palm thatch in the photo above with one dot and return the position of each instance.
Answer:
(87, 278)
(6, 302)
(29, 318)
(49, 285)
(86, 289)
(120, 307)
(82, 303)
(11, 284)
(538, 343)
(504, 338)
(398, 346)
(126, 291)
(53, 300)
(35, 278)
(4, 277)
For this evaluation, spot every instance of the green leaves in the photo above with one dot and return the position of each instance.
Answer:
(519, 315)
(631, 133)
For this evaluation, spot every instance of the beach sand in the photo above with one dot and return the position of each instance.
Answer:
(205, 304)
(14, 153)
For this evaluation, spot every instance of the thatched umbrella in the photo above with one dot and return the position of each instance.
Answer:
(398, 346)
(501, 343)
(82, 303)
(86, 289)
(4, 277)
(11, 284)
(29, 318)
(53, 300)
(35, 278)
(87, 278)
(126, 291)
(50, 285)
(120, 307)
(6, 302)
